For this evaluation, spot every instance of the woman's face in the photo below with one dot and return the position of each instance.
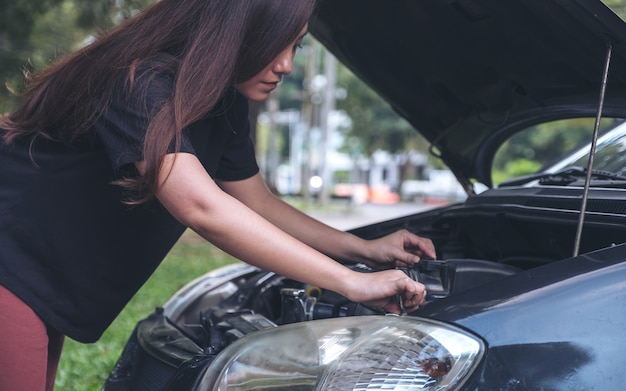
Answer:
(259, 87)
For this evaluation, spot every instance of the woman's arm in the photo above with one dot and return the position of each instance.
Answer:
(400, 248)
(192, 197)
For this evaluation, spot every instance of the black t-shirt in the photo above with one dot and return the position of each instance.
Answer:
(69, 247)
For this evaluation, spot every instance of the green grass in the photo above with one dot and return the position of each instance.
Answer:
(85, 367)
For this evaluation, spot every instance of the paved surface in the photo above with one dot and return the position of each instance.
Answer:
(352, 216)
(343, 216)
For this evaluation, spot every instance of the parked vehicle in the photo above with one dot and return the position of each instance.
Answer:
(441, 186)
(529, 288)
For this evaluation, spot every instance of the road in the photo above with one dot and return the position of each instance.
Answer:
(347, 217)
(344, 216)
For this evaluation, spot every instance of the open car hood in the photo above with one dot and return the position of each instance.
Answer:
(469, 73)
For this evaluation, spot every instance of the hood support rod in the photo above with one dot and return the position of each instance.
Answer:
(592, 153)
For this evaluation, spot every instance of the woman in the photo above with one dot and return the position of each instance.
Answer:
(120, 147)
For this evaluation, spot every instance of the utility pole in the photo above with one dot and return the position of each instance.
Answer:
(327, 107)
(308, 116)
(273, 159)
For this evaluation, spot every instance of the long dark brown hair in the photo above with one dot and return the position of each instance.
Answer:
(206, 45)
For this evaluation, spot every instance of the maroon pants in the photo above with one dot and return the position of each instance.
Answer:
(29, 349)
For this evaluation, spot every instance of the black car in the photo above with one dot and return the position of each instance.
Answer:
(529, 288)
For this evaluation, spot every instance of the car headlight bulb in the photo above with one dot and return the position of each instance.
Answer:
(354, 353)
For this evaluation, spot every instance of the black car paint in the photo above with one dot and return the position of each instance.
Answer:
(556, 327)
(531, 343)
(469, 73)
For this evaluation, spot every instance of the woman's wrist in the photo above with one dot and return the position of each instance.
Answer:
(349, 285)
(360, 250)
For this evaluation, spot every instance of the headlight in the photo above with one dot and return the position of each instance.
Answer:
(354, 353)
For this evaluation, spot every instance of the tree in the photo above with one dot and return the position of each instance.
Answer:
(34, 33)
(618, 6)
(531, 149)
(17, 22)
(374, 123)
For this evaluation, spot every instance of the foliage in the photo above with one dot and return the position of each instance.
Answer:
(516, 168)
(618, 6)
(533, 148)
(374, 123)
(17, 21)
(34, 33)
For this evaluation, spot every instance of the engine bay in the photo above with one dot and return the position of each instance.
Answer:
(261, 299)
(477, 242)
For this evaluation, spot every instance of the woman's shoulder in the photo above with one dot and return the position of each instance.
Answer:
(146, 86)
(155, 73)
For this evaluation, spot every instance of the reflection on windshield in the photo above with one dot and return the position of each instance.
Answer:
(618, 6)
(546, 145)
(610, 154)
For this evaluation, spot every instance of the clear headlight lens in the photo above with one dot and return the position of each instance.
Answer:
(354, 353)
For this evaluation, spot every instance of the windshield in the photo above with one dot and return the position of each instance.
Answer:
(618, 6)
(549, 147)
(610, 154)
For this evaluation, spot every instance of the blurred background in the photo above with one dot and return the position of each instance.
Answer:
(325, 142)
(323, 136)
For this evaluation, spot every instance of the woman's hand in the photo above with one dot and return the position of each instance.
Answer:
(399, 249)
(384, 289)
